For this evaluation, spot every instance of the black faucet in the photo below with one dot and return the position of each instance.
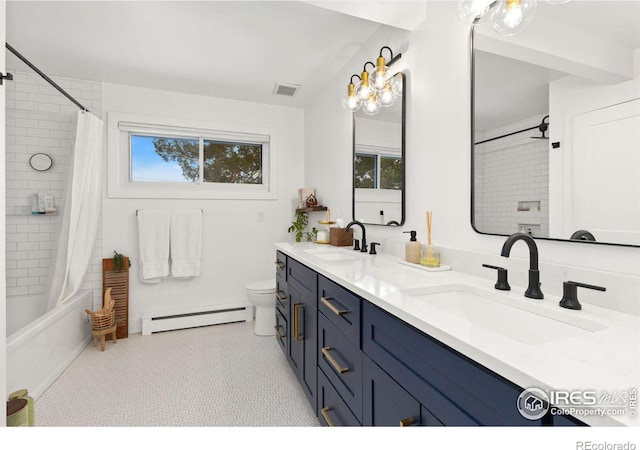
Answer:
(363, 241)
(533, 291)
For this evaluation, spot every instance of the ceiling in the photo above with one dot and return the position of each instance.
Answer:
(229, 49)
(508, 90)
(234, 49)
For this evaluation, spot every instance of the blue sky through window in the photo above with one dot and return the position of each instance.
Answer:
(147, 165)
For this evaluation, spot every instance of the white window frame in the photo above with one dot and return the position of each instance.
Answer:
(119, 185)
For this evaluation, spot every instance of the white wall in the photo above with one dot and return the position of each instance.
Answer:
(436, 56)
(237, 248)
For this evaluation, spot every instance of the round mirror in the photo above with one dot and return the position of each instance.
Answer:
(40, 162)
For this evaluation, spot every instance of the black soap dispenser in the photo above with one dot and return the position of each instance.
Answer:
(412, 249)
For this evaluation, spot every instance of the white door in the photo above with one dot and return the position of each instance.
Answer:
(607, 144)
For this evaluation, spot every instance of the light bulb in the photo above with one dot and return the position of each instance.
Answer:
(350, 100)
(387, 98)
(364, 89)
(396, 84)
(378, 78)
(371, 105)
(512, 16)
(472, 9)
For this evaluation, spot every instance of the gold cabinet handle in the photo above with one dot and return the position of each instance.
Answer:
(277, 327)
(325, 415)
(333, 362)
(280, 295)
(328, 304)
(407, 422)
(296, 331)
(279, 264)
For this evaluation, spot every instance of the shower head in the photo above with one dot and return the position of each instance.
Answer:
(543, 127)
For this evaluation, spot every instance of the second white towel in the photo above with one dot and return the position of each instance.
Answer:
(186, 243)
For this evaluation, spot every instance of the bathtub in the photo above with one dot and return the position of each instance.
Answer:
(38, 352)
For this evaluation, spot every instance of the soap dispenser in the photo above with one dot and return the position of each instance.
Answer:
(412, 249)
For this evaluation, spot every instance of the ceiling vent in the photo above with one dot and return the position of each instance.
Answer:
(290, 90)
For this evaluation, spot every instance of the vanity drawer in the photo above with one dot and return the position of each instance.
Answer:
(452, 387)
(332, 410)
(281, 265)
(341, 362)
(281, 331)
(386, 403)
(282, 300)
(304, 280)
(341, 307)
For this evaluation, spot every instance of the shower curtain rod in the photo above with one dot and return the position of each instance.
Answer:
(537, 127)
(46, 78)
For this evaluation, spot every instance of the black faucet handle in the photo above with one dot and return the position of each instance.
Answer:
(356, 244)
(373, 248)
(570, 294)
(502, 284)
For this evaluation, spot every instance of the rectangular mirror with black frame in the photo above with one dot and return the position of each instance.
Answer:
(556, 141)
(379, 164)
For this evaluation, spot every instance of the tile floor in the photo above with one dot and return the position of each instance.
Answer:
(216, 376)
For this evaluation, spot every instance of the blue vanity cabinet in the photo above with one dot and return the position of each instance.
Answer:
(332, 410)
(386, 403)
(282, 303)
(302, 289)
(339, 354)
(453, 388)
(341, 362)
(282, 332)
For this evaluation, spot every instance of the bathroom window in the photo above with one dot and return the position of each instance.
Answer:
(365, 171)
(165, 160)
(377, 171)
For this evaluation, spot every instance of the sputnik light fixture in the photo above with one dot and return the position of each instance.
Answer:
(376, 89)
(508, 17)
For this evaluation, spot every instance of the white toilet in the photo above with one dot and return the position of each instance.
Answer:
(262, 294)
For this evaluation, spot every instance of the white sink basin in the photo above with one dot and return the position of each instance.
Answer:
(329, 254)
(519, 320)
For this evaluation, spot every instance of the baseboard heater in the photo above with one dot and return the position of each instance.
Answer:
(177, 319)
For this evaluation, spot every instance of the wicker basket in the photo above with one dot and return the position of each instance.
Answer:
(103, 321)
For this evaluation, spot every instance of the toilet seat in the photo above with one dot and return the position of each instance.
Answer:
(262, 286)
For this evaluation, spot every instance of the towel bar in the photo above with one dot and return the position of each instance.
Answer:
(202, 211)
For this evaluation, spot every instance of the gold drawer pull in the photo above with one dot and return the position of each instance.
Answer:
(279, 264)
(280, 295)
(277, 327)
(325, 415)
(296, 331)
(407, 422)
(333, 309)
(333, 362)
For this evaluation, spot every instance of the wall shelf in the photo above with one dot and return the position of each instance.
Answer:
(311, 209)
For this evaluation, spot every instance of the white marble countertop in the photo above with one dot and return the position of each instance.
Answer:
(605, 361)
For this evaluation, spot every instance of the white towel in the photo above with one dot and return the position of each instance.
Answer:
(186, 243)
(153, 240)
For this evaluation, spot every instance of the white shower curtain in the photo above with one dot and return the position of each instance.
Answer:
(79, 222)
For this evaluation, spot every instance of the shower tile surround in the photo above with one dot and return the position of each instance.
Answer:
(522, 164)
(41, 120)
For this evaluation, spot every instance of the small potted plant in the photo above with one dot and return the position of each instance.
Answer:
(299, 228)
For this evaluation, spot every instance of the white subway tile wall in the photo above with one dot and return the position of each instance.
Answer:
(511, 170)
(39, 119)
